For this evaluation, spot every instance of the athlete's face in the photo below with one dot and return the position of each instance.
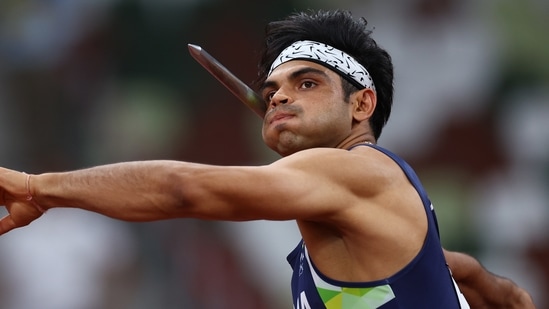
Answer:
(306, 108)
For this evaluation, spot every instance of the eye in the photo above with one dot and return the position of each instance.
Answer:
(307, 84)
(268, 96)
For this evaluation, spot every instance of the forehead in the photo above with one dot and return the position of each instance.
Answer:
(288, 69)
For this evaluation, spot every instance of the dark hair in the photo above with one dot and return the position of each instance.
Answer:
(340, 30)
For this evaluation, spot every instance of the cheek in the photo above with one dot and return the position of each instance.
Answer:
(335, 119)
(269, 135)
(264, 133)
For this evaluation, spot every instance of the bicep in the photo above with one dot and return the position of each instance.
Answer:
(272, 192)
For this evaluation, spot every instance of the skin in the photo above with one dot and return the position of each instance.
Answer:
(317, 182)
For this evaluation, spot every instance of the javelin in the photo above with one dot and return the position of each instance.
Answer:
(242, 91)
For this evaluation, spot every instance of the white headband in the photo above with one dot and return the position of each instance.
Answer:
(326, 55)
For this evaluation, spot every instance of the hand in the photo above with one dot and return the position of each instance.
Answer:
(14, 193)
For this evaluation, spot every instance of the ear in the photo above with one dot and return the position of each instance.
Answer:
(364, 104)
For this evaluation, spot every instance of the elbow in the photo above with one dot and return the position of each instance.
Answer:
(186, 195)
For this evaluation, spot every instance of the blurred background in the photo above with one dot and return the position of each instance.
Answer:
(88, 82)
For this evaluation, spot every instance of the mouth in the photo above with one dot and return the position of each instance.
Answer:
(280, 117)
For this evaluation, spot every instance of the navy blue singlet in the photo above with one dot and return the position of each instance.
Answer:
(425, 283)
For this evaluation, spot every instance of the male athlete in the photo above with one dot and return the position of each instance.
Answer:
(369, 232)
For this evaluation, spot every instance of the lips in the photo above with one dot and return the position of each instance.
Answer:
(280, 116)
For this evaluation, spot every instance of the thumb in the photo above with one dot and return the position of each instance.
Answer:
(19, 214)
(7, 224)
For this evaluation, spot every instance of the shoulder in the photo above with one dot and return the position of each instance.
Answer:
(332, 155)
(363, 167)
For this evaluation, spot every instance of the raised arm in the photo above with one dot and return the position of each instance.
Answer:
(484, 290)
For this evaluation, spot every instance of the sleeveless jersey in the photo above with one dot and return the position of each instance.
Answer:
(425, 283)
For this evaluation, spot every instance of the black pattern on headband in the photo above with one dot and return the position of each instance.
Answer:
(327, 55)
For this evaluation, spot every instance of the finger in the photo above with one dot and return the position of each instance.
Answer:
(2, 197)
(7, 224)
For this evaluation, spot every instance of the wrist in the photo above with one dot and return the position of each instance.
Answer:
(29, 181)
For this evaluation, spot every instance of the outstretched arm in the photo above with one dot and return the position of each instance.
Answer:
(156, 190)
(484, 290)
(136, 191)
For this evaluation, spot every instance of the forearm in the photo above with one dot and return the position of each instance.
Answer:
(133, 191)
(483, 289)
(488, 290)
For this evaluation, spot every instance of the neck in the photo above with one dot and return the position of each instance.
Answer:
(347, 144)
(359, 143)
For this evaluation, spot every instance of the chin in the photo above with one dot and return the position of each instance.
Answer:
(287, 149)
(286, 144)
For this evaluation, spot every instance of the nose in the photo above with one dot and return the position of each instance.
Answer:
(279, 97)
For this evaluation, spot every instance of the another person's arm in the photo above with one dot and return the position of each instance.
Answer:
(484, 290)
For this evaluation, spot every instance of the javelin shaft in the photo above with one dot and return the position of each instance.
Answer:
(242, 91)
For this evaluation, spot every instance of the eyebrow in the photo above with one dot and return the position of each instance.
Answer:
(295, 75)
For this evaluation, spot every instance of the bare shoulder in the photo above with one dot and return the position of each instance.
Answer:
(363, 167)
